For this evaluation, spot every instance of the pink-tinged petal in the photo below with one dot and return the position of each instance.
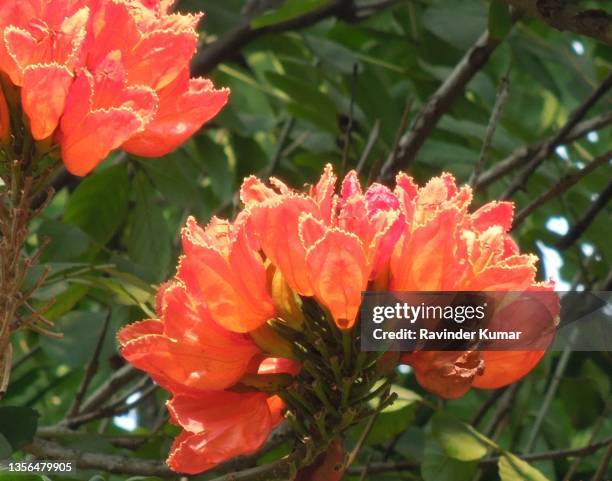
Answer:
(339, 274)
(451, 185)
(43, 97)
(276, 224)
(185, 106)
(138, 329)
(380, 197)
(224, 425)
(350, 186)
(494, 213)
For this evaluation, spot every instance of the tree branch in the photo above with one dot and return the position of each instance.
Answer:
(232, 43)
(563, 184)
(387, 467)
(49, 450)
(90, 372)
(547, 148)
(119, 378)
(565, 15)
(438, 104)
(44, 449)
(522, 155)
(583, 224)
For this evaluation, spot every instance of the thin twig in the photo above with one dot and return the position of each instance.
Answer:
(549, 147)
(118, 379)
(116, 408)
(91, 370)
(601, 420)
(583, 224)
(603, 466)
(438, 104)
(372, 139)
(282, 142)
(387, 467)
(522, 155)
(235, 40)
(560, 187)
(500, 101)
(23, 359)
(487, 405)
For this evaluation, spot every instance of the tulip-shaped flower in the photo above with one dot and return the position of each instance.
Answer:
(97, 75)
(260, 320)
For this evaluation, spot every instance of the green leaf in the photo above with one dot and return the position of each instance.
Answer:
(99, 204)
(392, 420)
(290, 10)
(217, 163)
(500, 19)
(66, 241)
(81, 330)
(457, 439)
(149, 242)
(512, 468)
(438, 466)
(5, 448)
(17, 426)
(459, 25)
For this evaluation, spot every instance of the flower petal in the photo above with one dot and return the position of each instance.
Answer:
(138, 329)
(225, 425)
(43, 96)
(339, 274)
(185, 106)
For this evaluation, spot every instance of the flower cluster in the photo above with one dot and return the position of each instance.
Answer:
(96, 75)
(215, 341)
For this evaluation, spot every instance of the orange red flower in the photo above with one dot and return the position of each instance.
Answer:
(200, 349)
(213, 346)
(96, 75)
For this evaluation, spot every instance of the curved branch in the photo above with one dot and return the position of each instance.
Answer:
(564, 15)
(231, 43)
(388, 467)
(438, 104)
(522, 155)
(583, 224)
